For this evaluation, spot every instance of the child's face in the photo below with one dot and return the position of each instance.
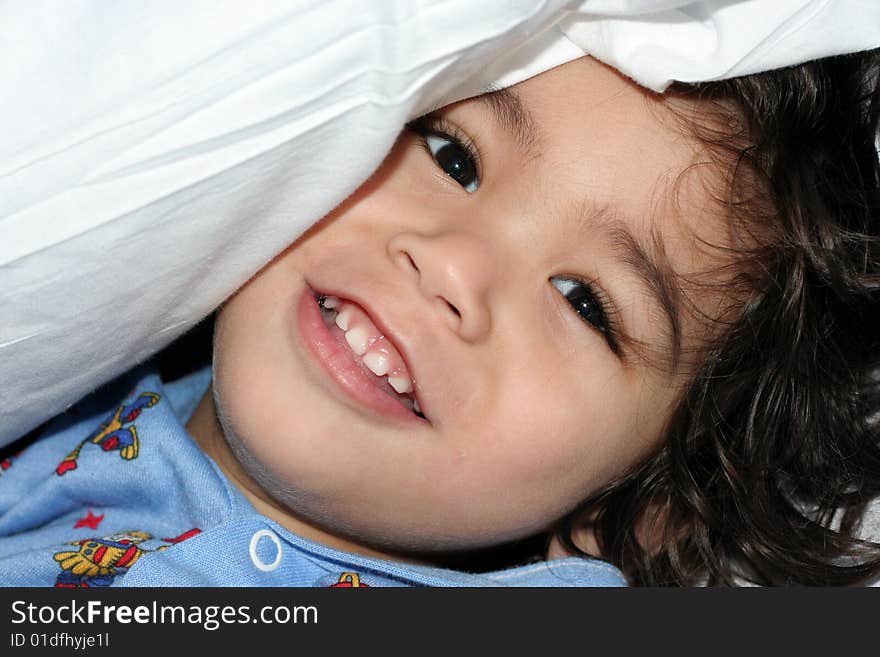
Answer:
(532, 397)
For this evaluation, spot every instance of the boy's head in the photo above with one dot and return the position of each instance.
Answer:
(551, 268)
(521, 253)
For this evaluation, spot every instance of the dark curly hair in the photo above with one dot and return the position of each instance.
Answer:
(772, 456)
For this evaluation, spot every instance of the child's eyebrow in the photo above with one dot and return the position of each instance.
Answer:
(656, 273)
(513, 116)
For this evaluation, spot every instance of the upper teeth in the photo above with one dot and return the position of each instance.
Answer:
(402, 384)
(358, 338)
(365, 340)
(377, 362)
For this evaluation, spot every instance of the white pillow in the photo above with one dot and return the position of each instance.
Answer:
(155, 155)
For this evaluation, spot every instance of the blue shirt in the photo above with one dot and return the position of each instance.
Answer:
(116, 493)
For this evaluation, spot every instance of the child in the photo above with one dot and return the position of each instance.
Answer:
(637, 327)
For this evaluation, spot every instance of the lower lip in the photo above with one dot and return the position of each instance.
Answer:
(339, 362)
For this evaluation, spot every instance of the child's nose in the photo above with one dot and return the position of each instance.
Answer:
(454, 271)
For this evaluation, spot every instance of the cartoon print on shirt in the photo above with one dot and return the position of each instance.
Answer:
(117, 433)
(185, 535)
(7, 462)
(99, 560)
(349, 581)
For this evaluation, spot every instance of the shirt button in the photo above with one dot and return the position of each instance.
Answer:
(258, 558)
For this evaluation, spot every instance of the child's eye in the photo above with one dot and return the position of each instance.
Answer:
(452, 151)
(454, 160)
(588, 304)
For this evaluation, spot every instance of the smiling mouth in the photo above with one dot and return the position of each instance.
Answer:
(378, 358)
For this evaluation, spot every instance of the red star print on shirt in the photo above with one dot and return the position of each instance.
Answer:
(90, 520)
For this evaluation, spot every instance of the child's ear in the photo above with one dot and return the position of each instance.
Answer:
(583, 538)
(556, 550)
(650, 528)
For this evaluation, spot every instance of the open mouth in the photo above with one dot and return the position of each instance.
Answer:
(375, 357)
